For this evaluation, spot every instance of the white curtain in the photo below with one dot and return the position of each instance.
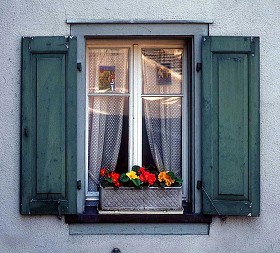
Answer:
(164, 128)
(163, 115)
(105, 133)
(105, 118)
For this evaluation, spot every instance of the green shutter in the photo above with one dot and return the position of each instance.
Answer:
(230, 126)
(48, 126)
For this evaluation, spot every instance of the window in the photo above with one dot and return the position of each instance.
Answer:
(137, 111)
(220, 147)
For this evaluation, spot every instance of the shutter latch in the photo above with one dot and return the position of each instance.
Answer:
(79, 184)
(79, 66)
(198, 66)
(59, 210)
(25, 131)
(198, 185)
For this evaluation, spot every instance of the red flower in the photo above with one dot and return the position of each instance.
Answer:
(103, 172)
(117, 184)
(147, 177)
(151, 178)
(115, 177)
(142, 170)
(142, 178)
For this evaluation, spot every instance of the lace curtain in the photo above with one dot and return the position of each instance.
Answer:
(163, 115)
(105, 119)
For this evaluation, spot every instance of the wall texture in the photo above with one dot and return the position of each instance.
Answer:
(44, 17)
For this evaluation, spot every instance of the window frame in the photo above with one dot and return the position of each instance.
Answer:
(135, 95)
(140, 29)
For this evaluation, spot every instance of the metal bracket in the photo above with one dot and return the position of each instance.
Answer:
(79, 184)
(25, 131)
(59, 210)
(79, 66)
(198, 66)
(198, 185)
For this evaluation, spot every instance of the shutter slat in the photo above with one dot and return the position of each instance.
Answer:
(230, 126)
(48, 148)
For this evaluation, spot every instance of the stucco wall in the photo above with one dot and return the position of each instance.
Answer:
(44, 17)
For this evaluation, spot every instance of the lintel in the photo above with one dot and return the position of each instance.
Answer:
(137, 21)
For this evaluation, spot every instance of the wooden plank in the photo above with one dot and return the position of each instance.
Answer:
(27, 124)
(49, 44)
(230, 44)
(232, 134)
(50, 82)
(71, 126)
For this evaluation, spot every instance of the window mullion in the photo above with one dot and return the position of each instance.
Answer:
(136, 138)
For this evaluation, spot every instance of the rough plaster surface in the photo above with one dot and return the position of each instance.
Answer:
(45, 17)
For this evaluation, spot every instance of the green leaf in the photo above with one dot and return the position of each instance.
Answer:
(106, 184)
(109, 180)
(124, 178)
(171, 174)
(136, 182)
(135, 168)
(162, 184)
(179, 180)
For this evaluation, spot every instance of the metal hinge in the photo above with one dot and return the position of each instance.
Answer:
(198, 185)
(79, 184)
(25, 132)
(198, 66)
(59, 210)
(79, 66)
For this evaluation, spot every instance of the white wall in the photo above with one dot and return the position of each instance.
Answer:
(45, 17)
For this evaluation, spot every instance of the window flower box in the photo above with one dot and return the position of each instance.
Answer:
(143, 199)
(140, 190)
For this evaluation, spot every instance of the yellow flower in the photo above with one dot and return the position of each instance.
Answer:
(132, 175)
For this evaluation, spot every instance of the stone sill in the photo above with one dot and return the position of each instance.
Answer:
(94, 223)
(92, 216)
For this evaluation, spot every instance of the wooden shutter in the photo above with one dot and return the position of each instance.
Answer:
(230, 126)
(48, 126)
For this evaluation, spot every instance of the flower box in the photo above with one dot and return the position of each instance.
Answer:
(143, 199)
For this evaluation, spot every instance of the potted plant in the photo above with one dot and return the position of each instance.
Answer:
(140, 189)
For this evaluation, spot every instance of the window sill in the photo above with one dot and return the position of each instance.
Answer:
(93, 223)
(91, 215)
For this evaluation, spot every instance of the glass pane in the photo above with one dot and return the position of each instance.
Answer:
(108, 70)
(107, 135)
(162, 133)
(162, 71)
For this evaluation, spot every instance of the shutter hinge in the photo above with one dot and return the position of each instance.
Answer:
(79, 184)
(59, 210)
(198, 185)
(79, 66)
(25, 131)
(198, 66)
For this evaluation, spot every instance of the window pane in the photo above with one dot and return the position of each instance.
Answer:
(162, 71)
(108, 70)
(162, 133)
(107, 135)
